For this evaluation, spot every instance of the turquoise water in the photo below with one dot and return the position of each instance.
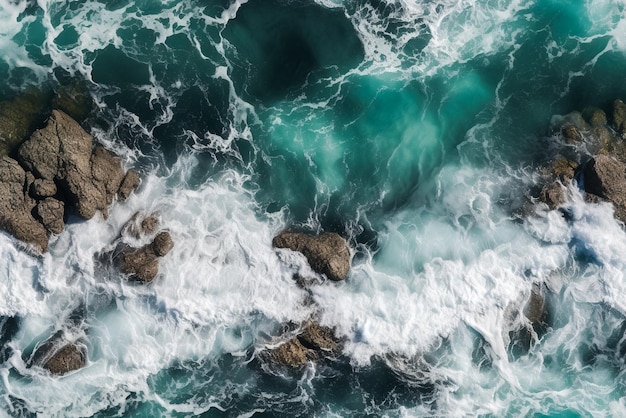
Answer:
(413, 128)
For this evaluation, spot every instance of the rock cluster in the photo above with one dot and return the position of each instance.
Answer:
(141, 264)
(58, 171)
(598, 163)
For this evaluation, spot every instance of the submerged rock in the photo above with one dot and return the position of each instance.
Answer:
(327, 254)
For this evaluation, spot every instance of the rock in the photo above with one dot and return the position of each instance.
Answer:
(619, 116)
(73, 99)
(604, 176)
(142, 264)
(140, 225)
(40, 189)
(553, 195)
(59, 356)
(319, 338)
(16, 206)
(162, 244)
(571, 133)
(129, 184)
(50, 212)
(18, 118)
(596, 117)
(326, 254)
(62, 152)
(313, 343)
(69, 358)
(107, 172)
(535, 307)
(291, 354)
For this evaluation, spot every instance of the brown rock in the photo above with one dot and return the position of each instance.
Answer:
(292, 354)
(16, 207)
(319, 338)
(129, 184)
(314, 342)
(18, 118)
(619, 116)
(69, 358)
(140, 264)
(50, 212)
(162, 244)
(59, 356)
(604, 176)
(326, 254)
(40, 188)
(107, 172)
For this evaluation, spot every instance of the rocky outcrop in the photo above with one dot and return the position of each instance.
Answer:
(62, 153)
(532, 321)
(142, 264)
(130, 182)
(16, 206)
(327, 254)
(60, 356)
(57, 171)
(313, 343)
(18, 118)
(605, 177)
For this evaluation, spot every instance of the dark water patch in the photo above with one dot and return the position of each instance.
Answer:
(9, 327)
(113, 66)
(280, 43)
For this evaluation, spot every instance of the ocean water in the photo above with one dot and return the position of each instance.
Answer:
(415, 129)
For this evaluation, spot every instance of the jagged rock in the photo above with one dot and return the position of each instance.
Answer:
(292, 354)
(619, 116)
(40, 189)
(129, 184)
(140, 225)
(62, 152)
(605, 177)
(142, 264)
(596, 117)
(18, 117)
(326, 254)
(319, 338)
(73, 99)
(59, 356)
(561, 172)
(313, 343)
(50, 212)
(16, 206)
(162, 244)
(107, 172)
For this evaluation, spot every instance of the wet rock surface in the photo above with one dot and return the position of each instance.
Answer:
(313, 342)
(60, 356)
(327, 254)
(57, 172)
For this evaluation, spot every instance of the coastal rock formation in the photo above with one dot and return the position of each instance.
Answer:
(327, 254)
(18, 117)
(60, 356)
(16, 206)
(142, 264)
(605, 177)
(89, 180)
(313, 343)
(58, 170)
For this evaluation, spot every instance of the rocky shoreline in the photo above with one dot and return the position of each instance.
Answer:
(58, 172)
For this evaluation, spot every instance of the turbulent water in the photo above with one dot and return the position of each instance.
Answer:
(414, 128)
